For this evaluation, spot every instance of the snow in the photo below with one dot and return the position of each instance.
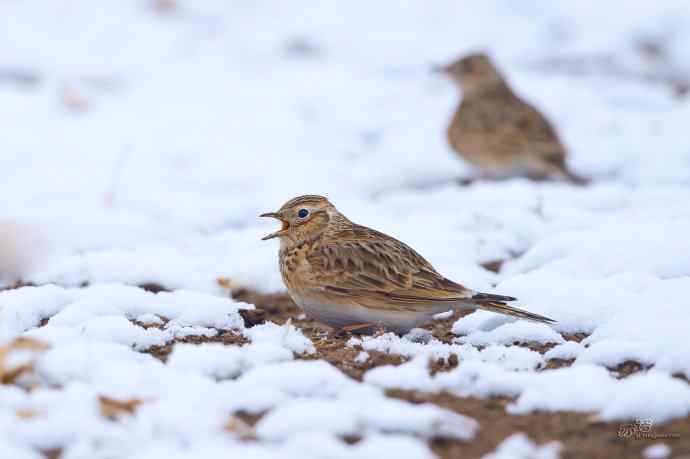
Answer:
(357, 415)
(218, 361)
(92, 350)
(643, 395)
(564, 351)
(362, 357)
(195, 121)
(518, 446)
(286, 335)
(412, 375)
(657, 451)
(508, 333)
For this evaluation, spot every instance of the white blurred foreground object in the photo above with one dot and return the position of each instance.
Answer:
(20, 247)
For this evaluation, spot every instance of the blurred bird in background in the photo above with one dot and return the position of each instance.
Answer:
(499, 133)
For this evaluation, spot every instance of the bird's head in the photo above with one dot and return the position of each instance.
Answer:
(472, 72)
(303, 218)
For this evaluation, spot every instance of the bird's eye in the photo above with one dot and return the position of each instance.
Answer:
(303, 213)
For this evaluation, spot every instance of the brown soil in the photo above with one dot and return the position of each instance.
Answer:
(330, 346)
(225, 337)
(581, 434)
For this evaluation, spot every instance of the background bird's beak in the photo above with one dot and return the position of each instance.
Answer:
(282, 231)
(442, 69)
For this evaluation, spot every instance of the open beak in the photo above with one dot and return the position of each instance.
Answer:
(282, 231)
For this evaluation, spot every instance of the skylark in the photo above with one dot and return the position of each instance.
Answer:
(497, 131)
(352, 277)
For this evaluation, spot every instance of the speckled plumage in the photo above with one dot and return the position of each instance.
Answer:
(345, 274)
(497, 131)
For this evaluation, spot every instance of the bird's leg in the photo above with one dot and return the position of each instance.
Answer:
(354, 327)
(347, 330)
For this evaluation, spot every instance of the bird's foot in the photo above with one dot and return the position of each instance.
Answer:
(357, 327)
(348, 330)
(320, 338)
(466, 181)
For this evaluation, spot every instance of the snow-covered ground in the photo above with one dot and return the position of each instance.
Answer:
(139, 145)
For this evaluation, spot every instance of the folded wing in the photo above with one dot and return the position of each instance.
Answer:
(363, 266)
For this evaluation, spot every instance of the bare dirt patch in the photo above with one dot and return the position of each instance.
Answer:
(582, 435)
(330, 346)
(226, 337)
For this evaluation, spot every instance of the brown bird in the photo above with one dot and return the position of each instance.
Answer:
(352, 277)
(497, 131)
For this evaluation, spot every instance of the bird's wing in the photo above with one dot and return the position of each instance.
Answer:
(522, 128)
(503, 123)
(366, 267)
(531, 134)
(533, 125)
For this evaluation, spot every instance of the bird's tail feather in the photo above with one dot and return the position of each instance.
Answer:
(497, 303)
(491, 297)
(572, 177)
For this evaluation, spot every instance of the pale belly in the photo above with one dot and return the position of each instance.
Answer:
(339, 315)
(500, 167)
